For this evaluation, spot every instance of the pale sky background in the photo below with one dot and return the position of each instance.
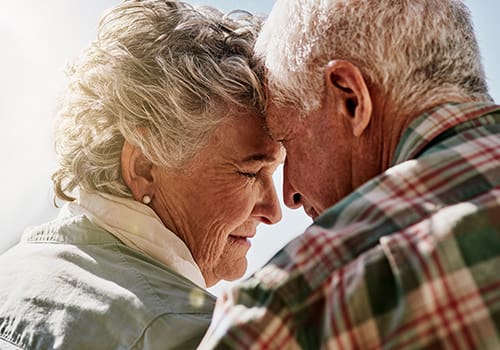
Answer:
(40, 37)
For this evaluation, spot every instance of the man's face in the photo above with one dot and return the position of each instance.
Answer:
(317, 170)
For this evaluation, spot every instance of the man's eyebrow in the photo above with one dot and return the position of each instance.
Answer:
(259, 157)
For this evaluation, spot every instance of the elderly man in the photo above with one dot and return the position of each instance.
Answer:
(384, 112)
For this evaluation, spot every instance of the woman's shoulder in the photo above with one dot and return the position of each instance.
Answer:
(67, 281)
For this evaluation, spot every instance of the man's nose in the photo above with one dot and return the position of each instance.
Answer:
(291, 197)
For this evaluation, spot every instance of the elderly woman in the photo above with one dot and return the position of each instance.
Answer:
(168, 172)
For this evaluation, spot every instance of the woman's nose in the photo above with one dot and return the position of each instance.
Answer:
(268, 209)
(274, 214)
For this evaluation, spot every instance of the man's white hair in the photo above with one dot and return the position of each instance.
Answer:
(410, 50)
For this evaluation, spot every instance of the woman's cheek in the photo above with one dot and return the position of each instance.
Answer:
(211, 246)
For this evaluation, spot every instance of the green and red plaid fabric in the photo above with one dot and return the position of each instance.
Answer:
(410, 260)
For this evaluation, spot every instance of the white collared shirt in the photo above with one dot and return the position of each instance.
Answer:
(138, 227)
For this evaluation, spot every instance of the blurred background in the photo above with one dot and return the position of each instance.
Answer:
(39, 38)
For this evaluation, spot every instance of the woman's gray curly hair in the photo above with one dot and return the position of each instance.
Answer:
(161, 75)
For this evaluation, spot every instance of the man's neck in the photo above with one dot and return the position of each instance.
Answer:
(396, 120)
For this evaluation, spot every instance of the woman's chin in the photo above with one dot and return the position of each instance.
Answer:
(227, 271)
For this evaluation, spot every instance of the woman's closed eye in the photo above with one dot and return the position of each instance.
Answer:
(248, 174)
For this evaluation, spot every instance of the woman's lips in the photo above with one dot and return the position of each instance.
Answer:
(240, 240)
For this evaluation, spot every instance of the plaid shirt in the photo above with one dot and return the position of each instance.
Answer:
(410, 260)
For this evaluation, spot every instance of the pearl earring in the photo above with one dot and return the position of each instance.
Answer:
(146, 199)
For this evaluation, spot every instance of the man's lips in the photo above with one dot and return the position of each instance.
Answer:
(311, 212)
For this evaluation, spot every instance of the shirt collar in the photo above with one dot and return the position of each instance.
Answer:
(429, 125)
(138, 227)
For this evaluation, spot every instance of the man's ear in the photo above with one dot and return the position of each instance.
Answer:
(136, 171)
(345, 81)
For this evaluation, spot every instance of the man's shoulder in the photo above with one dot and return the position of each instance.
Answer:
(355, 286)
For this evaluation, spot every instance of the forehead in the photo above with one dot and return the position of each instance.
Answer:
(243, 135)
(280, 121)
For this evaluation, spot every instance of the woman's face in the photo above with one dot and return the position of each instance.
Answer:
(216, 201)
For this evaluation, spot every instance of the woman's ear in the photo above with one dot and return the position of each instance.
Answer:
(136, 171)
(346, 85)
